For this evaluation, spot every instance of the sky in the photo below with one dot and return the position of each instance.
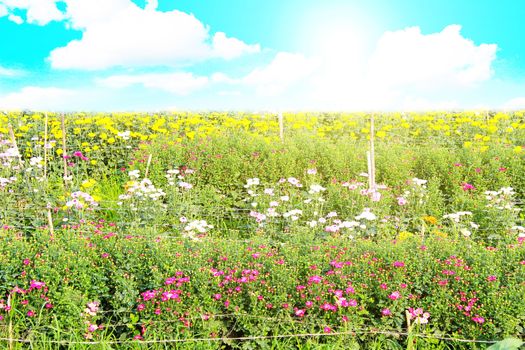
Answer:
(330, 55)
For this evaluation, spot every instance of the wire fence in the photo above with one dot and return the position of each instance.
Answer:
(352, 333)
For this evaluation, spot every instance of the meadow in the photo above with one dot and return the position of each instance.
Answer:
(209, 230)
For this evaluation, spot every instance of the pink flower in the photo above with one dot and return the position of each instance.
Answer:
(467, 187)
(299, 312)
(27, 262)
(327, 329)
(315, 279)
(398, 264)
(386, 312)
(478, 319)
(491, 278)
(37, 285)
(217, 296)
(395, 295)
(401, 201)
(92, 327)
(141, 307)
(30, 313)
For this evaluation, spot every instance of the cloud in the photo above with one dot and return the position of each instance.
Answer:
(36, 98)
(404, 69)
(285, 69)
(515, 103)
(179, 83)
(229, 48)
(8, 72)
(408, 57)
(16, 19)
(39, 12)
(120, 33)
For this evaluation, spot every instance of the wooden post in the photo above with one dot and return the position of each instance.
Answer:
(13, 141)
(64, 150)
(10, 330)
(45, 147)
(50, 222)
(147, 166)
(281, 126)
(372, 174)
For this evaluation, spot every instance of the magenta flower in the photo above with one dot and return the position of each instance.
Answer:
(467, 187)
(30, 313)
(327, 329)
(395, 295)
(386, 312)
(398, 264)
(478, 319)
(37, 285)
(491, 278)
(315, 279)
(299, 312)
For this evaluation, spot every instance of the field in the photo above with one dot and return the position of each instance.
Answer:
(188, 230)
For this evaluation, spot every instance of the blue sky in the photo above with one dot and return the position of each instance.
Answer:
(261, 55)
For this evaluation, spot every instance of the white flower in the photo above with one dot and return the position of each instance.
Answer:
(367, 215)
(252, 182)
(316, 189)
(134, 174)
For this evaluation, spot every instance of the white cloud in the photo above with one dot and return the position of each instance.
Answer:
(8, 72)
(229, 48)
(36, 98)
(177, 83)
(275, 78)
(405, 68)
(39, 12)
(16, 19)
(515, 103)
(408, 57)
(3, 10)
(119, 33)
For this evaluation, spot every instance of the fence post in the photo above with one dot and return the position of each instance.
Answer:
(45, 147)
(147, 166)
(13, 141)
(64, 150)
(371, 158)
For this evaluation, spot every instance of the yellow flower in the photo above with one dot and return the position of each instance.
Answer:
(403, 235)
(440, 234)
(430, 219)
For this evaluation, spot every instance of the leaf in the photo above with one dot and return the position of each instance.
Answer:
(507, 344)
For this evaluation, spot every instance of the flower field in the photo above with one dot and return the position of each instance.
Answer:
(209, 230)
